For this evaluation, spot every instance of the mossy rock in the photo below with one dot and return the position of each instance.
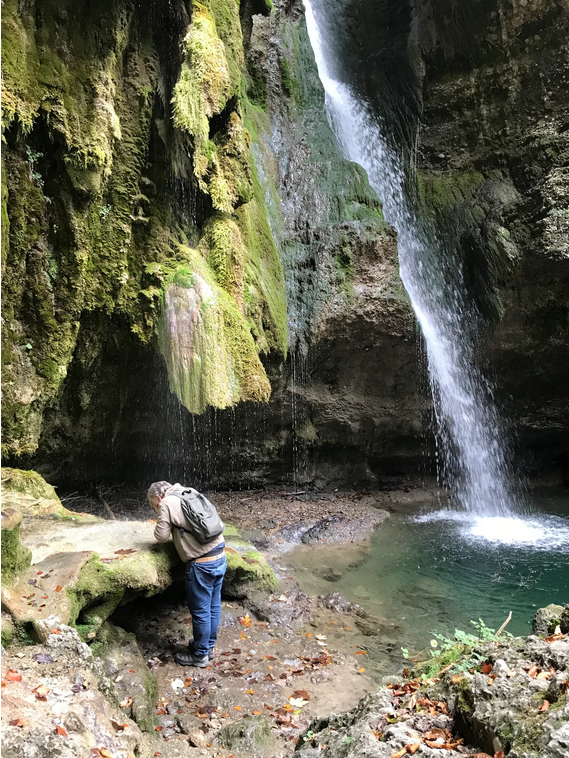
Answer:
(16, 558)
(246, 571)
(28, 493)
(127, 668)
(9, 631)
(250, 736)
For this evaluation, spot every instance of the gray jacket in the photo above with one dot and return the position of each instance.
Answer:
(172, 516)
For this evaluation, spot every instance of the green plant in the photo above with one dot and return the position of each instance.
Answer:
(457, 653)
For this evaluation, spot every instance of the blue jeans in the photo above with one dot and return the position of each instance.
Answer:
(203, 595)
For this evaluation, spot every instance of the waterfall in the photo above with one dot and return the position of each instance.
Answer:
(475, 466)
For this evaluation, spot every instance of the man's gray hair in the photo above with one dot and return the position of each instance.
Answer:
(157, 491)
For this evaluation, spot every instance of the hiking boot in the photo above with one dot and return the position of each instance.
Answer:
(210, 652)
(190, 659)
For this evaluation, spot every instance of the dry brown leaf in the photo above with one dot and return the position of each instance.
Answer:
(400, 753)
(13, 676)
(256, 713)
(544, 706)
(60, 730)
(126, 702)
(249, 692)
(302, 694)
(237, 707)
(555, 637)
(245, 620)
(456, 679)
(58, 588)
(486, 668)
(18, 722)
(412, 749)
(533, 671)
(361, 671)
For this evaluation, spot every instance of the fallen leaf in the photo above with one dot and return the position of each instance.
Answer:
(269, 658)
(533, 671)
(361, 671)
(242, 636)
(257, 713)
(544, 706)
(58, 588)
(118, 727)
(555, 637)
(44, 597)
(157, 728)
(60, 730)
(361, 652)
(18, 722)
(126, 702)
(456, 679)
(320, 636)
(249, 692)
(125, 551)
(412, 749)
(43, 658)
(399, 753)
(13, 676)
(104, 752)
(41, 691)
(245, 620)
(486, 668)
(301, 693)
(237, 707)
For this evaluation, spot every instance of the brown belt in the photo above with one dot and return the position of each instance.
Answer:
(206, 560)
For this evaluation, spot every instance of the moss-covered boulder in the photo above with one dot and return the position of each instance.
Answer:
(28, 493)
(82, 572)
(130, 676)
(251, 736)
(15, 557)
(247, 569)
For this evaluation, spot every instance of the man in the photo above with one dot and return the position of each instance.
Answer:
(205, 569)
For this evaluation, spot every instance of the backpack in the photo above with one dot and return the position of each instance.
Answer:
(202, 516)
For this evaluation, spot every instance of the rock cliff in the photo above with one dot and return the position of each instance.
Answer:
(172, 180)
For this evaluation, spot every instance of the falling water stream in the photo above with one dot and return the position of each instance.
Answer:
(476, 467)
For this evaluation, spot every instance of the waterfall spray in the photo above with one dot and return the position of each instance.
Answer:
(476, 468)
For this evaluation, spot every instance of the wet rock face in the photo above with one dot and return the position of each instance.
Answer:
(477, 93)
(496, 103)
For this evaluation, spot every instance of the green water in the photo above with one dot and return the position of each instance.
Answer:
(433, 571)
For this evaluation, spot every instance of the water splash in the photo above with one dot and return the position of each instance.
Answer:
(476, 466)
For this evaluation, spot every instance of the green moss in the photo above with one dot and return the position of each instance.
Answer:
(247, 570)
(264, 278)
(289, 81)
(9, 632)
(28, 483)
(230, 531)
(225, 254)
(109, 636)
(441, 192)
(100, 587)
(15, 557)
(209, 351)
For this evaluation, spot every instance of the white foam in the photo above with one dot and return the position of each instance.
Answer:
(507, 531)
(543, 533)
